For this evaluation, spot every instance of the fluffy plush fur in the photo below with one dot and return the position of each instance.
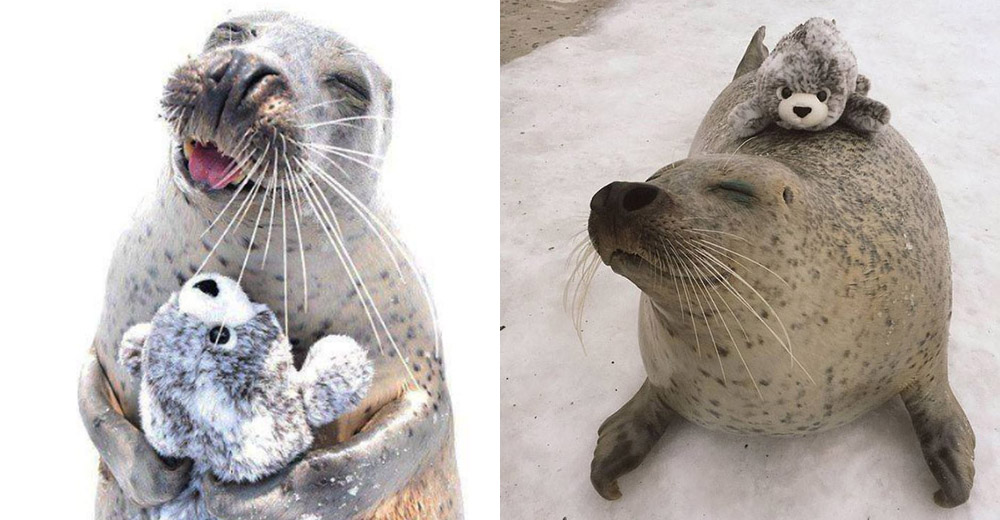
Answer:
(809, 82)
(219, 386)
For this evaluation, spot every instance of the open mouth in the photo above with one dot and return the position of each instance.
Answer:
(208, 168)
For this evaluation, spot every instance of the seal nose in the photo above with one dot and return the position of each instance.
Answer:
(802, 111)
(626, 197)
(230, 79)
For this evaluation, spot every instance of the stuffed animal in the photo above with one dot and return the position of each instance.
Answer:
(809, 82)
(218, 386)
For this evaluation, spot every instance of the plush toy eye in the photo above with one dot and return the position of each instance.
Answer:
(219, 335)
(784, 92)
(822, 95)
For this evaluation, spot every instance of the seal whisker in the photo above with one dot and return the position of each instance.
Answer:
(239, 163)
(342, 252)
(343, 119)
(256, 226)
(317, 105)
(787, 346)
(328, 147)
(235, 215)
(683, 285)
(700, 282)
(723, 250)
(296, 210)
(704, 315)
(700, 231)
(324, 151)
(387, 238)
(270, 225)
(739, 352)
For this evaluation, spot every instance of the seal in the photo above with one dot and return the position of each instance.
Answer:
(790, 283)
(279, 128)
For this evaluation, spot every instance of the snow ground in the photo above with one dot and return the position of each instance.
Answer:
(625, 99)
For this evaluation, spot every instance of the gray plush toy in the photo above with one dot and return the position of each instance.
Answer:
(219, 387)
(809, 82)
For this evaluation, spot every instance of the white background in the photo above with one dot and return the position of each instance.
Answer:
(82, 145)
(624, 100)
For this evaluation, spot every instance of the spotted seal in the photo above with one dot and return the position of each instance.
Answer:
(279, 128)
(790, 283)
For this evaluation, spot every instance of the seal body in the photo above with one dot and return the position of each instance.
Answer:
(275, 101)
(791, 282)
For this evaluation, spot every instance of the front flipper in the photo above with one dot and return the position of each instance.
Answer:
(754, 55)
(350, 478)
(626, 437)
(864, 114)
(335, 377)
(946, 438)
(130, 351)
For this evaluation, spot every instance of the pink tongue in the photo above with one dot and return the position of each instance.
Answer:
(209, 166)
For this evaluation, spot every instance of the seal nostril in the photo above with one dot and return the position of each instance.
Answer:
(218, 72)
(208, 287)
(801, 111)
(787, 195)
(600, 199)
(639, 197)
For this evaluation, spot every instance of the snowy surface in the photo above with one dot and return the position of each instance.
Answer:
(626, 99)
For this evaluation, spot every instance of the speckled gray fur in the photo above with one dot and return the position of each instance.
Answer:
(811, 59)
(393, 455)
(237, 407)
(853, 254)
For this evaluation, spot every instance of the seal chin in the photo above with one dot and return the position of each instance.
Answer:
(642, 271)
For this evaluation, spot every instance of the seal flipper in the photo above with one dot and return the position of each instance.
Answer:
(864, 114)
(334, 378)
(754, 55)
(626, 437)
(946, 438)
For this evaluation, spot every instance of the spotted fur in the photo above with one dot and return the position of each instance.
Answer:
(851, 252)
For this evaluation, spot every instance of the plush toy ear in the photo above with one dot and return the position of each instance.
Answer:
(754, 55)
(130, 351)
(747, 119)
(862, 86)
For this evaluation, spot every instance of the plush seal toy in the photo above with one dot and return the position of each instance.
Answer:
(809, 82)
(219, 386)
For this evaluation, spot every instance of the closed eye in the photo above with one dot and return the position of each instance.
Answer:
(351, 85)
(738, 191)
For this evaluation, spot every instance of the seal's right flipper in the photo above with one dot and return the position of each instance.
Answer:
(946, 438)
(626, 437)
(143, 476)
(754, 55)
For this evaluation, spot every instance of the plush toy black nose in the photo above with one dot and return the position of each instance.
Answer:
(801, 111)
(208, 287)
(219, 335)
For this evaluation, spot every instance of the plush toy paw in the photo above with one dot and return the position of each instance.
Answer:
(334, 378)
(865, 114)
(747, 119)
(130, 350)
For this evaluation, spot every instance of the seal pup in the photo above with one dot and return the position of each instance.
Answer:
(790, 283)
(279, 128)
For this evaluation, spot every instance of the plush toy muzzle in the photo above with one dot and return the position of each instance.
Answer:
(802, 111)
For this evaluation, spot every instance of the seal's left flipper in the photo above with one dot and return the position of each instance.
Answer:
(864, 114)
(946, 438)
(334, 378)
